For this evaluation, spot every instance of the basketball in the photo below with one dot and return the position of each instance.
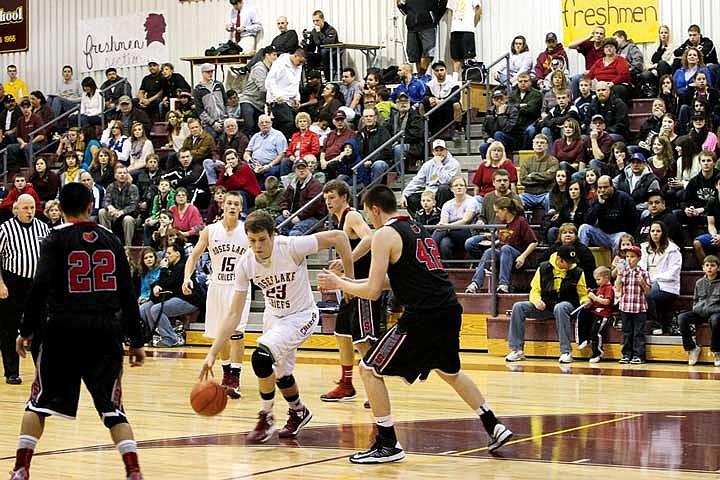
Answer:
(208, 399)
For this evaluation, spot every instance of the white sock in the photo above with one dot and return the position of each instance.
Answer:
(27, 441)
(127, 446)
(483, 409)
(267, 405)
(455, 75)
(236, 365)
(224, 362)
(384, 421)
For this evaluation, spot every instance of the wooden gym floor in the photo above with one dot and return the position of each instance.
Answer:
(654, 421)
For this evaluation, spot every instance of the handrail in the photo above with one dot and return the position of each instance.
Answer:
(426, 119)
(505, 57)
(299, 210)
(376, 152)
(400, 163)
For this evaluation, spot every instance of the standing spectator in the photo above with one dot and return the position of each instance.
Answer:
(434, 175)
(321, 34)
(553, 50)
(421, 20)
(15, 86)
(150, 93)
(252, 98)
(45, 182)
(464, 17)
(19, 252)
(68, 92)
(266, 149)
(413, 86)
(303, 145)
(283, 89)
(501, 124)
(611, 215)
(603, 300)
(514, 245)
(631, 286)
(520, 62)
(210, 97)
(114, 87)
(243, 25)
(706, 308)
(460, 210)
(120, 206)
(537, 175)
(557, 288)
(299, 193)
(591, 48)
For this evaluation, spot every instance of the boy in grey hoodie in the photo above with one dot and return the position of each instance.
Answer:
(706, 308)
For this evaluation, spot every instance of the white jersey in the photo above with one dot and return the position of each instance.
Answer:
(463, 19)
(225, 249)
(283, 279)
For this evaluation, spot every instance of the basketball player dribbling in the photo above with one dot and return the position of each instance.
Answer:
(359, 321)
(425, 338)
(225, 241)
(278, 266)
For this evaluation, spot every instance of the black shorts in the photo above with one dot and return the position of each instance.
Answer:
(361, 319)
(417, 344)
(421, 44)
(65, 358)
(462, 45)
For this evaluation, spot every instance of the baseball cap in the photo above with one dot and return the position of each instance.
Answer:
(25, 103)
(637, 156)
(567, 253)
(349, 112)
(339, 115)
(300, 163)
(272, 183)
(207, 67)
(439, 63)
(634, 249)
(439, 142)
(152, 62)
(313, 74)
(185, 93)
(403, 94)
(8, 98)
(551, 36)
(124, 99)
(498, 93)
(597, 116)
(696, 115)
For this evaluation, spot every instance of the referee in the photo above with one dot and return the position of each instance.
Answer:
(19, 251)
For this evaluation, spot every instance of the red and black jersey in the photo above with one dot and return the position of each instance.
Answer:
(83, 278)
(418, 279)
(362, 266)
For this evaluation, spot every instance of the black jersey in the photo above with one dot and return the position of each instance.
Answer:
(83, 278)
(362, 266)
(418, 279)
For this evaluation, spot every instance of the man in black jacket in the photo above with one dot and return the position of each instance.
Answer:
(705, 45)
(613, 110)
(190, 175)
(421, 20)
(658, 213)
(610, 216)
(318, 57)
(699, 191)
(402, 117)
(370, 137)
(501, 124)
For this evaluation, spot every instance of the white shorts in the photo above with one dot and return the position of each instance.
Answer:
(219, 298)
(283, 335)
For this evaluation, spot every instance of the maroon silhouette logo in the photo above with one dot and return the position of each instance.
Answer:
(155, 26)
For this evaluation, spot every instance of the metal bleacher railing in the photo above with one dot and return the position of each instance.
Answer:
(505, 57)
(426, 119)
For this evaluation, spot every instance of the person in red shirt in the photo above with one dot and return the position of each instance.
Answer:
(21, 186)
(238, 176)
(591, 48)
(304, 144)
(613, 69)
(496, 160)
(26, 124)
(601, 308)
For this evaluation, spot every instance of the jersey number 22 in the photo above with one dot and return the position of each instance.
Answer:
(88, 274)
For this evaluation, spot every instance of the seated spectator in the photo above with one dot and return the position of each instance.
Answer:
(413, 86)
(514, 245)
(702, 44)
(53, 214)
(553, 50)
(231, 138)
(520, 62)
(582, 102)
(528, 101)
(186, 217)
(572, 211)
(113, 88)
(700, 134)
(330, 99)
(199, 142)
(120, 206)
(440, 87)
(44, 181)
(657, 212)
(345, 161)
(321, 34)
(537, 175)
(567, 235)
(557, 197)
(369, 139)
(92, 146)
(299, 193)
(127, 114)
(190, 174)
(269, 200)
(630, 52)
(501, 124)
(611, 215)
(350, 90)
(178, 130)
(68, 93)
(149, 273)
(699, 191)
(484, 178)
(147, 181)
(706, 308)
(310, 93)
(173, 84)
(334, 143)
(384, 104)
(699, 89)
(210, 98)
(25, 146)
(164, 200)
(140, 148)
(637, 180)
(102, 167)
(599, 146)
(591, 176)
(239, 177)
(557, 288)
(613, 109)
(434, 175)
(98, 192)
(612, 69)
(10, 114)
(253, 96)
(114, 140)
(186, 106)
(662, 260)
(266, 149)
(405, 118)
(150, 92)
(91, 103)
(40, 106)
(283, 89)
(233, 105)
(70, 170)
(555, 82)
(651, 126)
(552, 120)
(20, 187)
(662, 58)
(662, 162)
(461, 210)
(322, 127)
(163, 306)
(502, 188)
(71, 141)
(216, 210)
(161, 237)
(304, 144)
(569, 149)
(429, 214)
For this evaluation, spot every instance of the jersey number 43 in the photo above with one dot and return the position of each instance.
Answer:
(91, 273)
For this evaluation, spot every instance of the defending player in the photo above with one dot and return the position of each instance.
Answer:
(277, 265)
(84, 279)
(427, 335)
(359, 321)
(225, 241)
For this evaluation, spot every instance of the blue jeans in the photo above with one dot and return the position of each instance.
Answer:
(522, 310)
(171, 308)
(633, 328)
(211, 171)
(532, 200)
(399, 153)
(590, 235)
(250, 115)
(447, 240)
(295, 229)
(274, 171)
(510, 143)
(90, 120)
(507, 256)
(659, 306)
(62, 104)
(377, 168)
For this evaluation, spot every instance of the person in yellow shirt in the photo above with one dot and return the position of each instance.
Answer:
(15, 86)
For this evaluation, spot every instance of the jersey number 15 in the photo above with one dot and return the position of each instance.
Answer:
(94, 273)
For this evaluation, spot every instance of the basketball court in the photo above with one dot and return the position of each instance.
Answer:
(653, 421)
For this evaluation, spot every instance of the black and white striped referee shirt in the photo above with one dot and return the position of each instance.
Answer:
(20, 246)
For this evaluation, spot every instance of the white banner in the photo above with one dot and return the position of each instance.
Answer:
(126, 41)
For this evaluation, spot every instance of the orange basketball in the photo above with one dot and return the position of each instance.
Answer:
(208, 399)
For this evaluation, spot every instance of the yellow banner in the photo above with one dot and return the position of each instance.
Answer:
(639, 18)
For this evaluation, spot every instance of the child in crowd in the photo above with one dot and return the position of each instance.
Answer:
(706, 308)
(20, 186)
(322, 126)
(149, 267)
(384, 105)
(160, 236)
(601, 308)
(631, 285)
(269, 200)
(591, 177)
(583, 101)
(215, 212)
(164, 199)
(430, 213)
(619, 263)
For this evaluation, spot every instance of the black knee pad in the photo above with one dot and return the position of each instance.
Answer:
(262, 362)
(237, 336)
(111, 420)
(285, 382)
